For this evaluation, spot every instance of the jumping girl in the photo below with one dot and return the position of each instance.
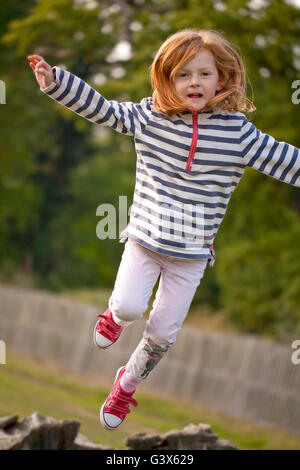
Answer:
(193, 143)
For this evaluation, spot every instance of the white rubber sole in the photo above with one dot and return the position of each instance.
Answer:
(102, 419)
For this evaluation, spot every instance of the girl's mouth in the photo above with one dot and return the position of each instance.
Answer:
(195, 95)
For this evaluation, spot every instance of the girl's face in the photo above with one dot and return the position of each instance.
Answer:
(198, 80)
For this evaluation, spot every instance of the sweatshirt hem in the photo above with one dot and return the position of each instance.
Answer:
(193, 257)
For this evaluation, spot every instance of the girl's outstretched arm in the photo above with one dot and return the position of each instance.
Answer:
(262, 152)
(72, 92)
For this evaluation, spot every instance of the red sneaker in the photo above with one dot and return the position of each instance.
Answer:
(106, 331)
(116, 406)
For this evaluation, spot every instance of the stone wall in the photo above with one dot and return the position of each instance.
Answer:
(36, 432)
(240, 375)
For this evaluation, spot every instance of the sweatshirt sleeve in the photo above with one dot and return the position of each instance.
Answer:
(75, 94)
(262, 152)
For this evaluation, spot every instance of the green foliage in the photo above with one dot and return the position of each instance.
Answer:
(259, 272)
(56, 172)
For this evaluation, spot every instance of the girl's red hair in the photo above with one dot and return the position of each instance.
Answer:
(182, 46)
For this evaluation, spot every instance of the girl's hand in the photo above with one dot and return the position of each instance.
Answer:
(43, 71)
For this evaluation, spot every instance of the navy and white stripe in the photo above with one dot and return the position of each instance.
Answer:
(178, 212)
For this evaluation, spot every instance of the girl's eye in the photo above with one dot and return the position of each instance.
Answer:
(184, 74)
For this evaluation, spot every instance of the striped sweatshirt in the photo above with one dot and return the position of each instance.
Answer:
(187, 166)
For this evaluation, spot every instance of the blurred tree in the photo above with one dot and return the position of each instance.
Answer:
(19, 198)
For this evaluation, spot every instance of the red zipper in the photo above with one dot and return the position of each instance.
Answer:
(194, 141)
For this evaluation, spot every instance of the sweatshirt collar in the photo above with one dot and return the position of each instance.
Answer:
(189, 112)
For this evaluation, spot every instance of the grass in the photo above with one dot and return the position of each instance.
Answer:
(28, 385)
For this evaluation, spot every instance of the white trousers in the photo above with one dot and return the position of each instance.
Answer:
(137, 275)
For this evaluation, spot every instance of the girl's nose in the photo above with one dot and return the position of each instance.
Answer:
(195, 80)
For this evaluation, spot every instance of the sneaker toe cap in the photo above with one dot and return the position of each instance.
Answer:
(101, 341)
(111, 420)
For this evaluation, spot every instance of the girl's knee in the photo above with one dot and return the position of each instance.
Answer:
(128, 310)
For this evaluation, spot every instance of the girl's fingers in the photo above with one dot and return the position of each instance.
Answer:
(41, 63)
(35, 57)
(44, 65)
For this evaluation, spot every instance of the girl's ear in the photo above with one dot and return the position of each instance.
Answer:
(220, 86)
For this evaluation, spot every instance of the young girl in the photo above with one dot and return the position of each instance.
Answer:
(193, 143)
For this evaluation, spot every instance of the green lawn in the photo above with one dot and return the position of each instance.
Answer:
(27, 385)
